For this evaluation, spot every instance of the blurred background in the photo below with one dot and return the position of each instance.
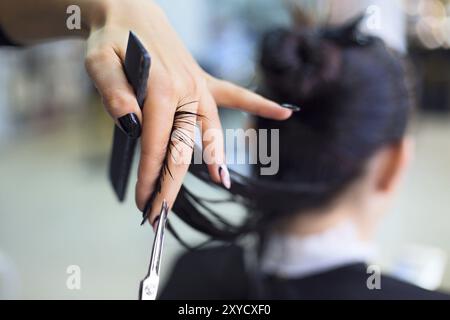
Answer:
(58, 210)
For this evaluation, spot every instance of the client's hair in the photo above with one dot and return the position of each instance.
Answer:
(354, 100)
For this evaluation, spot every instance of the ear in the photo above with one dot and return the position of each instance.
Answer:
(392, 162)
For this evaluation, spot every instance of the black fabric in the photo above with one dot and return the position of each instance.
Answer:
(219, 273)
(5, 40)
(211, 273)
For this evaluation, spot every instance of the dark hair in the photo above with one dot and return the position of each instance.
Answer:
(354, 97)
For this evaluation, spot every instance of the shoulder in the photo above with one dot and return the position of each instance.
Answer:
(398, 289)
(210, 273)
(354, 282)
(219, 273)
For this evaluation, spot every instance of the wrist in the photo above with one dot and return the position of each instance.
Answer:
(129, 12)
(94, 15)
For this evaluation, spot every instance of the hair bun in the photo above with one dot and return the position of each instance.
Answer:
(298, 64)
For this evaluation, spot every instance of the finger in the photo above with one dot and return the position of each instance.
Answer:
(230, 95)
(105, 68)
(157, 124)
(176, 163)
(213, 142)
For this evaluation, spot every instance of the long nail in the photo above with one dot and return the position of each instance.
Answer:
(145, 217)
(147, 210)
(155, 223)
(130, 125)
(292, 107)
(225, 176)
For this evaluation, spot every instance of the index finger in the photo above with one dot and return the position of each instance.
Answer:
(232, 96)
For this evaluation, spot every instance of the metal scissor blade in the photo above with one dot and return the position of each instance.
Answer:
(149, 285)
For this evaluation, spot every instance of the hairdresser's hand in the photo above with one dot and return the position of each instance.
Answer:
(175, 80)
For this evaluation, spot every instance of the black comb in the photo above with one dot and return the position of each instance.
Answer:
(137, 69)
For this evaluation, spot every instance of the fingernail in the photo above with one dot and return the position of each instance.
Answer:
(155, 223)
(130, 125)
(147, 210)
(291, 107)
(225, 176)
(145, 217)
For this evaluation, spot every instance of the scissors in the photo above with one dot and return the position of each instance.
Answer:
(149, 285)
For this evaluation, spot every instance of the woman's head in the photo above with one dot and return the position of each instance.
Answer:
(355, 107)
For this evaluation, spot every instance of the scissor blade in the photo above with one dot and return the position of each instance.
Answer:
(149, 286)
(159, 240)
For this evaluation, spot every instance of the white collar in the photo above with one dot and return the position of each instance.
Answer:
(290, 256)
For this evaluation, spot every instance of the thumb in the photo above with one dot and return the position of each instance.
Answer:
(104, 66)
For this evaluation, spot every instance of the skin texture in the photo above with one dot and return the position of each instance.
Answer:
(175, 78)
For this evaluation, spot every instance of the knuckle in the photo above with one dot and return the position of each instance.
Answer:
(178, 84)
(189, 85)
(95, 56)
(200, 83)
(166, 88)
(195, 84)
(116, 99)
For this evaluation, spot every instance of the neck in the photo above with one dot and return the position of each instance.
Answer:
(291, 256)
(317, 221)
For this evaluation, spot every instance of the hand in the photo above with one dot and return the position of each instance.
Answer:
(176, 83)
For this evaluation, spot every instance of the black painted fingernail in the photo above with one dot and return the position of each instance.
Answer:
(130, 125)
(146, 212)
(291, 107)
(148, 208)
(144, 218)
